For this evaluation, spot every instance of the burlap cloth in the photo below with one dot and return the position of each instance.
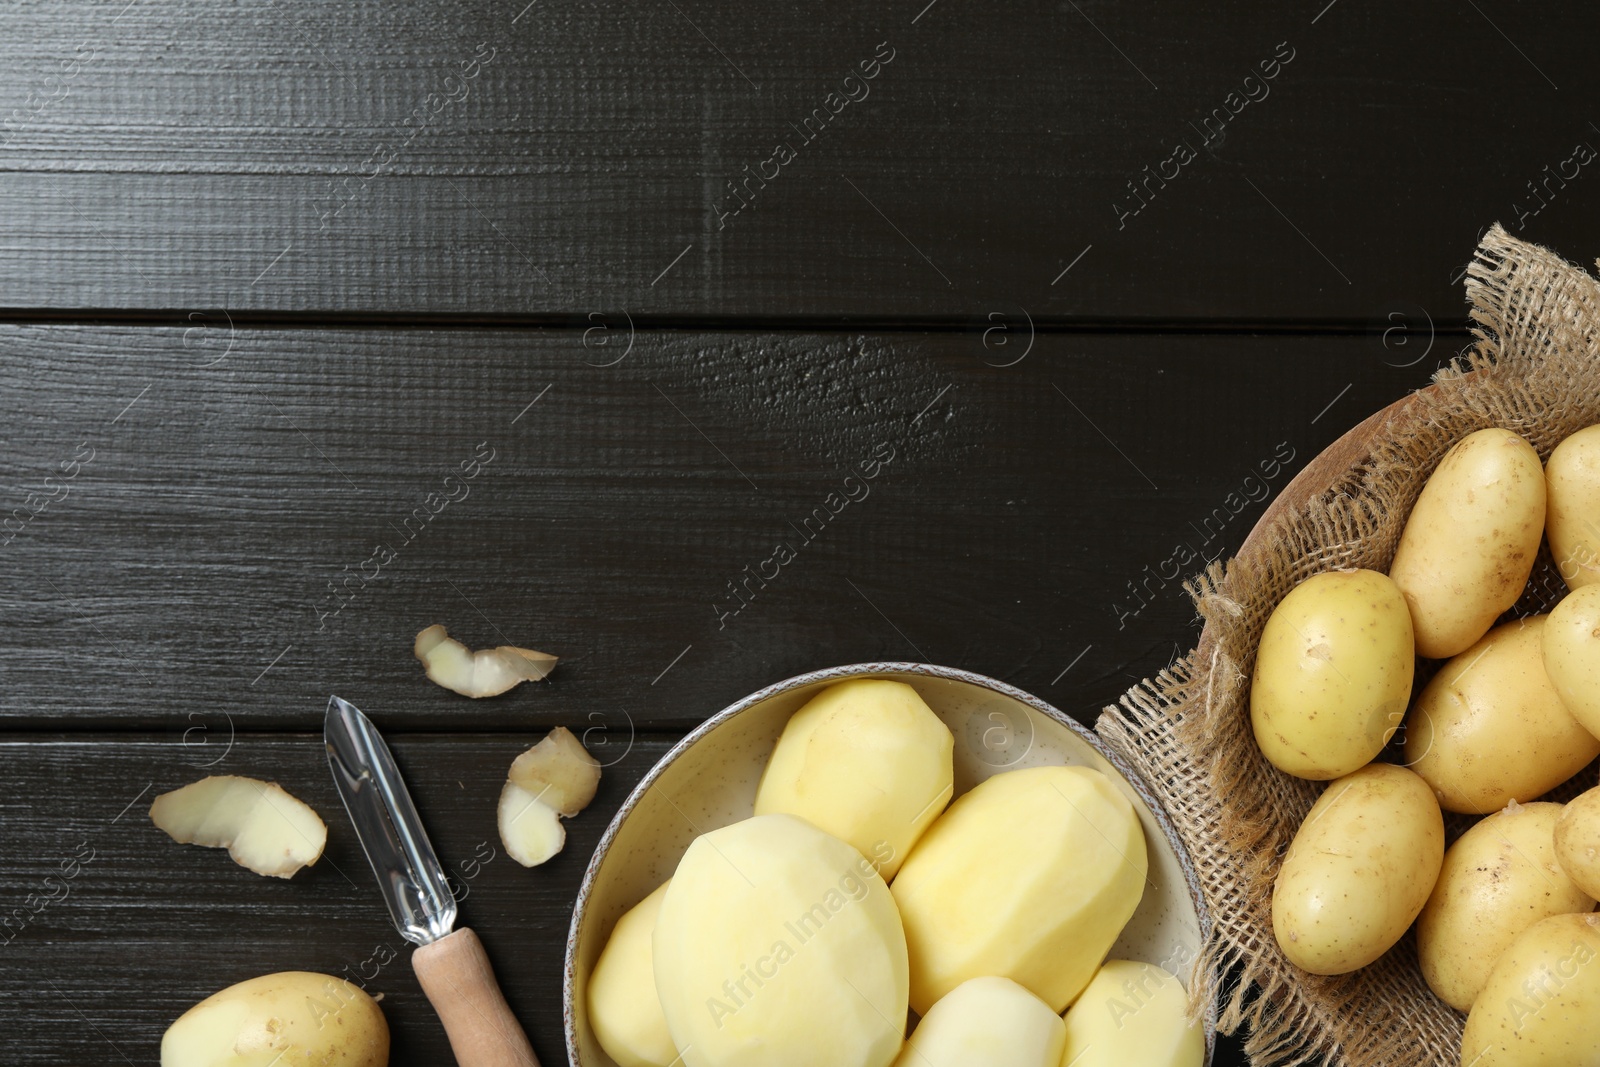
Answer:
(1532, 367)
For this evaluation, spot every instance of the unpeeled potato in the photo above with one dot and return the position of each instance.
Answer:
(1498, 879)
(1571, 646)
(1359, 870)
(1469, 545)
(1490, 727)
(290, 1018)
(1577, 842)
(1541, 1005)
(1572, 481)
(1333, 674)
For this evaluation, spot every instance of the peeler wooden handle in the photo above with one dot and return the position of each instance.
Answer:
(454, 972)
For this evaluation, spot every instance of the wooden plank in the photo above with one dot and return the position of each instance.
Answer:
(125, 930)
(286, 155)
(120, 930)
(235, 526)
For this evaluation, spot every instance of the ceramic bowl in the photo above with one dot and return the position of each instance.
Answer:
(709, 780)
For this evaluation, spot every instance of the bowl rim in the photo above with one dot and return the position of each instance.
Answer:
(840, 673)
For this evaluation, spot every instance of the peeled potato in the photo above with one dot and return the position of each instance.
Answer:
(1132, 1014)
(1541, 1005)
(1577, 842)
(1359, 870)
(1498, 879)
(1571, 646)
(1490, 727)
(1333, 674)
(1031, 875)
(624, 1008)
(779, 944)
(986, 1022)
(1469, 545)
(289, 1019)
(1572, 481)
(559, 771)
(866, 760)
(263, 828)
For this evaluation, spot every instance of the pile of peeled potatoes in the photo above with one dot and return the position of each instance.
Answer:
(1505, 924)
(857, 894)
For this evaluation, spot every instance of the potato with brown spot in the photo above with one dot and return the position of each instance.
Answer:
(1490, 727)
(1498, 879)
(1333, 674)
(291, 1018)
(1359, 870)
(1469, 545)
(1541, 1005)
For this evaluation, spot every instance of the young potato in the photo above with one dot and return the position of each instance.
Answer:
(294, 1017)
(1577, 841)
(986, 1022)
(1572, 654)
(1498, 879)
(1468, 547)
(1359, 870)
(624, 1008)
(1132, 1015)
(1572, 484)
(1031, 875)
(1541, 1005)
(866, 760)
(1490, 728)
(1333, 674)
(779, 944)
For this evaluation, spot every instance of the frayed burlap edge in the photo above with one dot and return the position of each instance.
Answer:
(1533, 368)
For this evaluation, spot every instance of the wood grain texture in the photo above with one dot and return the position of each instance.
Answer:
(247, 537)
(145, 927)
(279, 154)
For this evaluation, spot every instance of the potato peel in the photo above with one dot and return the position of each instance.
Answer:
(559, 771)
(263, 827)
(487, 672)
(554, 779)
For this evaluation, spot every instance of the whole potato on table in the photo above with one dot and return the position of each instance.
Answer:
(1359, 870)
(1333, 674)
(1498, 879)
(869, 762)
(289, 1019)
(1572, 655)
(1031, 875)
(1469, 545)
(1541, 1005)
(1490, 727)
(1132, 1014)
(1577, 841)
(1572, 483)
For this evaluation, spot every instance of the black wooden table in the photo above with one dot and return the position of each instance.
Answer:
(1100, 277)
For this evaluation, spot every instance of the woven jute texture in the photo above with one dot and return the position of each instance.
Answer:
(1533, 367)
